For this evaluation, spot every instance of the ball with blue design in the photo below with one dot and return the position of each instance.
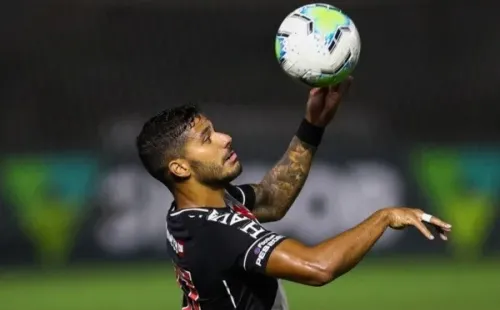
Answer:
(318, 44)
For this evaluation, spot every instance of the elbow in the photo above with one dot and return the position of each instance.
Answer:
(277, 214)
(321, 276)
(324, 273)
(320, 279)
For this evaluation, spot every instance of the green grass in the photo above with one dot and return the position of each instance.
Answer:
(386, 286)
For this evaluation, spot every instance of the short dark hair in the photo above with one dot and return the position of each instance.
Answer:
(162, 139)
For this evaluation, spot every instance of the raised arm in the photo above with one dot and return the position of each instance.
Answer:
(280, 187)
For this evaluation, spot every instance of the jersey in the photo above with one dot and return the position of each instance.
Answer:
(220, 255)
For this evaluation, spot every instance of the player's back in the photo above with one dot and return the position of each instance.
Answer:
(219, 256)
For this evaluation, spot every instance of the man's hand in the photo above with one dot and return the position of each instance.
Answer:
(324, 102)
(400, 218)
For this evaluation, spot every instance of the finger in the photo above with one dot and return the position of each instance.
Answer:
(317, 95)
(420, 226)
(334, 88)
(440, 226)
(347, 83)
(441, 232)
(435, 221)
(316, 91)
(345, 86)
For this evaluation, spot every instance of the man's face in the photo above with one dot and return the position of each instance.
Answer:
(211, 158)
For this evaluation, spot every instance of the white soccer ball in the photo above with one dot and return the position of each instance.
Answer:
(318, 45)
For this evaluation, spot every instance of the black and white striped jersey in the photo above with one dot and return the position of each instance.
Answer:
(220, 255)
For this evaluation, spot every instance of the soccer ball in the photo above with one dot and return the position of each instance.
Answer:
(318, 45)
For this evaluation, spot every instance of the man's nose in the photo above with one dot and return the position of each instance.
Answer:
(226, 140)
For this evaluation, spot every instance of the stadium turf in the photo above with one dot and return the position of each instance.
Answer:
(387, 286)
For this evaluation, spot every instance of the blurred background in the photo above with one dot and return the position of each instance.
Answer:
(82, 224)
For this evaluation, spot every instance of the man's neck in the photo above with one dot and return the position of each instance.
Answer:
(198, 195)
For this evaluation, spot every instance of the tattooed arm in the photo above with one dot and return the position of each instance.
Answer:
(275, 194)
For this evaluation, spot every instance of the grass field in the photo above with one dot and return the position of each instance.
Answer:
(387, 286)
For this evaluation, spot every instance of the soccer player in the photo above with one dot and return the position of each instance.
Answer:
(223, 257)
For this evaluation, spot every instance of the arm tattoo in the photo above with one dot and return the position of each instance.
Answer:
(280, 186)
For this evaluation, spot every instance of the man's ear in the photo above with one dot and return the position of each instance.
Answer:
(179, 168)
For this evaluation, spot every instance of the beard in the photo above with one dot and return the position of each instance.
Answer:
(215, 175)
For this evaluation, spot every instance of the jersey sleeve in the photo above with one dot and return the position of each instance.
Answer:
(247, 246)
(244, 193)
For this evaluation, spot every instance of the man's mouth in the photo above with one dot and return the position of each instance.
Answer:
(231, 156)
